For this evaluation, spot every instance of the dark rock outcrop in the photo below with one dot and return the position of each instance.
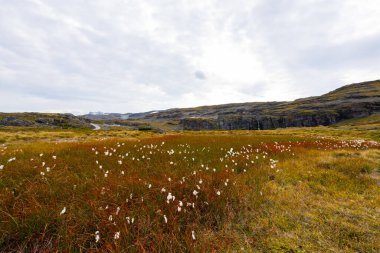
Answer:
(43, 120)
(12, 121)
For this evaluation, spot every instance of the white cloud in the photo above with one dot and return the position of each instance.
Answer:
(140, 55)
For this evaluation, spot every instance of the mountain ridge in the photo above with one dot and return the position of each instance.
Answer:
(347, 102)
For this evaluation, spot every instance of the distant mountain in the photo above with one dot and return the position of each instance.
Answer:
(115, 116)
(350, 101)
(106, 116)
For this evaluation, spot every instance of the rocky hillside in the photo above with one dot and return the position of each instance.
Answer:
(43, 120)
(350, 101)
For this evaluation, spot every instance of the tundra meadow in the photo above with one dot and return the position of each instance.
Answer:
(247, 191)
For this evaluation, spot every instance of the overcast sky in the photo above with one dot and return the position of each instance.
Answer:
(139, 55)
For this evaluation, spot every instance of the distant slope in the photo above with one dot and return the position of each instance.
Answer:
(350, 101)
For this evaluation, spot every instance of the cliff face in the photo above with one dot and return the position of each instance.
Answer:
(257, 123)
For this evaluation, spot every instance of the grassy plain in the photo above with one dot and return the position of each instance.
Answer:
(287, 190)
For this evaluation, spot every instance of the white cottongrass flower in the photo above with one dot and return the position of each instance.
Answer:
(165, 218)
(117, 235)
(54, 157)
(97, 236)
(130, 220)
(1, 167)
(170, 196)
(42, 173)
(218, 193)
(195, 193)
(117, 210)
(163, 190)
(63, 211)
(193, 235)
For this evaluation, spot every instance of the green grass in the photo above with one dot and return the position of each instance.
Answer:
(287, 190)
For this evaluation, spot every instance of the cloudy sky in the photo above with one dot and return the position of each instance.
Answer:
(139, 55)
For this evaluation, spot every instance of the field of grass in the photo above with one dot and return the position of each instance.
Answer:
(287, 190)
(19, 135)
